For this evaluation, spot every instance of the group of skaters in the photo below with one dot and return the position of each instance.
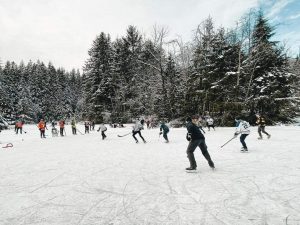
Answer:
(195, 133)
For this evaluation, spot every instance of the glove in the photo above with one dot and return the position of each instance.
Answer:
(160, 133)
(188, 137)
(236, 134)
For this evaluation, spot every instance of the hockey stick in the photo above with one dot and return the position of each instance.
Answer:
(8, 145)
(79, 131)
(124, 134)
(228, 141)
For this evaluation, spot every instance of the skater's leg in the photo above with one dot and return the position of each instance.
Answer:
(203, 147)
(242, 139)
(165, 135)
(133, 135)
(190, 153)
(103, 135)
(259, 131)
(43, 134)
(139, 132)
(263, 131)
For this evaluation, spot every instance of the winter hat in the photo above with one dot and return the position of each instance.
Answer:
(189, 119)
(195, 116)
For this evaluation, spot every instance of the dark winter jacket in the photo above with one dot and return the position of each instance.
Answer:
(194, 131)
(261, 121)
(164, 127)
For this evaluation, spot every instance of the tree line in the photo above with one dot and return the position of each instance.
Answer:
(222, 73)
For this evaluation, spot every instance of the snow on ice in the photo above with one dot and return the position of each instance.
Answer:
(84, 180)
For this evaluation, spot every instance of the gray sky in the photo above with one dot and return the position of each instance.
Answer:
(62, 31)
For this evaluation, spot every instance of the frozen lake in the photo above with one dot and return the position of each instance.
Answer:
(85, 180)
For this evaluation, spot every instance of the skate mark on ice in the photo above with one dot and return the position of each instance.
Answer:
(90, 209)
(46, 184)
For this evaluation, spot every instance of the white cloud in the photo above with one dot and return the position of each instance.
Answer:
(278, 6)
(293, 17)
(61, 31)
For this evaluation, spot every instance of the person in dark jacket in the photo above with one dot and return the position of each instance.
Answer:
(260, 121)
(196, 139)
(164, 129)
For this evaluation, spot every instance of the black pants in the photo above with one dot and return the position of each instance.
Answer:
(137, 132)
(42, 133)
(61, 131)
(209, 126)
(165, 135)
(191, 148)
(103, 135)
(242, 139)
(73, 130)
(262, 129)
(17, 130)
(87, 130)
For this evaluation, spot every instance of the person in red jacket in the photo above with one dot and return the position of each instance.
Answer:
(61, 127)
(42, 126)
(19, 127)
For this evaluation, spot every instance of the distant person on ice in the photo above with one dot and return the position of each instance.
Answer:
(102, 128)
(210, 123)
(196, 139)
(260, 121)
(19, 127)
(61, 127)
(243, 128)
(164, 129)
(86, 127)
(42, 126)
(73, 125)
(137, 130)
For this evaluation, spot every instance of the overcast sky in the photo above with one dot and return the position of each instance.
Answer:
(62, 31)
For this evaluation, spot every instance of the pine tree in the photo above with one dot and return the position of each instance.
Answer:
(266, 72)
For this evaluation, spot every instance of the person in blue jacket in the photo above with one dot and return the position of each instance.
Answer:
(164, 129)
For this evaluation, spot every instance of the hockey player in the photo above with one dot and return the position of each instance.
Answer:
(196, 139)
(260, 121)
(86, 127)
(73, 125)
(243, 128)
(137, 130)
(210, 123)
(19, 127)
(61, 124)
(102, 128)
(42, 126)
(164, 129)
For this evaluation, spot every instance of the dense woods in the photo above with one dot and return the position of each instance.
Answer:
(222, 73)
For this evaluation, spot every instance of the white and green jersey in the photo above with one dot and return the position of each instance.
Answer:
(243, 127)
(138, 126)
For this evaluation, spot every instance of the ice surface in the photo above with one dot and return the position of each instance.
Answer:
(85, 180)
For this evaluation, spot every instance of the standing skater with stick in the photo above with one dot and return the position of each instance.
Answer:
(243, 128)
(196, 139)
